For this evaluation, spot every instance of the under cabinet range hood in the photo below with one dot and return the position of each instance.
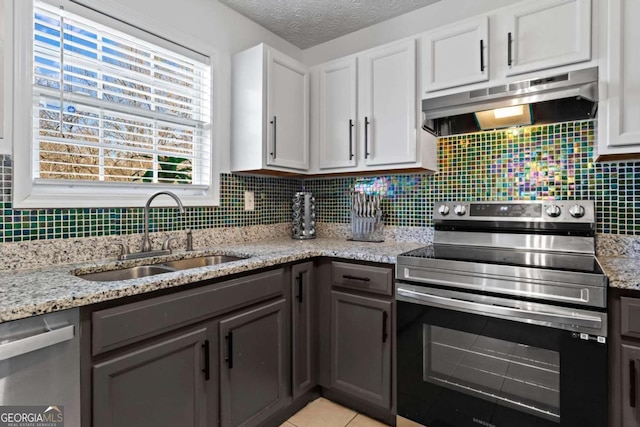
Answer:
(547, 99)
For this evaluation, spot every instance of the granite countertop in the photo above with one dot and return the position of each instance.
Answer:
(25, 293)
(623, 272)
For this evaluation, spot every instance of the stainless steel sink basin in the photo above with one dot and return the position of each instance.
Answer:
(203, 261)
(127, 273)
(151, 270)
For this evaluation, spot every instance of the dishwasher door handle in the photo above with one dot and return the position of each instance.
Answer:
(36, 342)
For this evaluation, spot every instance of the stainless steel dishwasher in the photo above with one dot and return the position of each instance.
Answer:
(40, 364)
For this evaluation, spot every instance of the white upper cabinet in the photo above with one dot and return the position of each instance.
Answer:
(547, 34)
(270, 112)
(367, 106)
(525, 38)
(287, 112)
(619, 107)
(337, 114)
(388, 104)
(456, 55)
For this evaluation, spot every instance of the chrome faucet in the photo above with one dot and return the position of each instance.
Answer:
(146, 244)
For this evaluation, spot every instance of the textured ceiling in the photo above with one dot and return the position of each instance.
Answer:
(306, 23)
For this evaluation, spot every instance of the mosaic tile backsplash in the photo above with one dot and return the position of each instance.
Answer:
(272, 206)
(533, 163)
(538, 162)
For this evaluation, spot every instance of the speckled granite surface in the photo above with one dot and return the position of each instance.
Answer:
(616, 245)
(25, 293)
(37, 253)
(38, 277)
(623, 272)
(619, 256)
(390, 233)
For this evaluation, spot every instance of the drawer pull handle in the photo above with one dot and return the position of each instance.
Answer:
(299, 282)
(229, 358)
(207, 366)
(632, 383)
(482, 56)
(384, 326)
(362, 279)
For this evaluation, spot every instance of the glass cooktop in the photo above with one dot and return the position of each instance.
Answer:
(562, 261)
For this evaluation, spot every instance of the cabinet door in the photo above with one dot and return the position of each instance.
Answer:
(456, 55)
(252, 357)
(338, 114)
(546, 34)
(303, 357)
(630, 370)
(361, 347)
(388, 113)
(288, 112)
(623, 103)
(162, 384)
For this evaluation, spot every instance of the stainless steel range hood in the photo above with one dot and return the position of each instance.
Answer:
(547, 99)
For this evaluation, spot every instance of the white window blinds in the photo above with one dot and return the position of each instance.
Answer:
(114, 108)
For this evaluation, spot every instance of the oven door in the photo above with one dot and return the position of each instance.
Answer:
(468, 360)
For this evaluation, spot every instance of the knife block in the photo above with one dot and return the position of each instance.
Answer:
(367, 225)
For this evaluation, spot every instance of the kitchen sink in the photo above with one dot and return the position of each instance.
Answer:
(127, 273)
(203, 261)
(151, 270)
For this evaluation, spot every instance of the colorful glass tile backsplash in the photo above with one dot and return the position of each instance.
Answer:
(532, 163)
(272, 206)
(543, 162)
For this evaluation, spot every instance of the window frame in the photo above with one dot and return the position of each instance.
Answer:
(28, 193)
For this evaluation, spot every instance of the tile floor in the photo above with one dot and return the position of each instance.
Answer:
(324, 413)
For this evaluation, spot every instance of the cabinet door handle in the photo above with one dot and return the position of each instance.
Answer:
(229, 358)
(509, 50)
(299, 282)
(632, 383)
(274, 123)
(482, 56)
(362, 279)
(350, 139)
(366, 137)
(207, 366)
(384, 326)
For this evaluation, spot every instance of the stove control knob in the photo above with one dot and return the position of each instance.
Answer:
(553, 211)
(444, 210)
(460, 210)
(576, 211)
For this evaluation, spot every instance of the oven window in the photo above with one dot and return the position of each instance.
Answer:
(521, 376)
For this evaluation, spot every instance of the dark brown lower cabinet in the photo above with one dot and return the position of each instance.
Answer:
(252, 358)
(361, 347)
(630, 357)
(302, 332)
(163, 384)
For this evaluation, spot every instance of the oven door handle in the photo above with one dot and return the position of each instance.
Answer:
(569, 319)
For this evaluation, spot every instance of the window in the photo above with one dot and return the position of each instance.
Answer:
(113, 114)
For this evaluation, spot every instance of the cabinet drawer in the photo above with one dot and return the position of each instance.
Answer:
(362, 277)
(119, 326)
(630, 317)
